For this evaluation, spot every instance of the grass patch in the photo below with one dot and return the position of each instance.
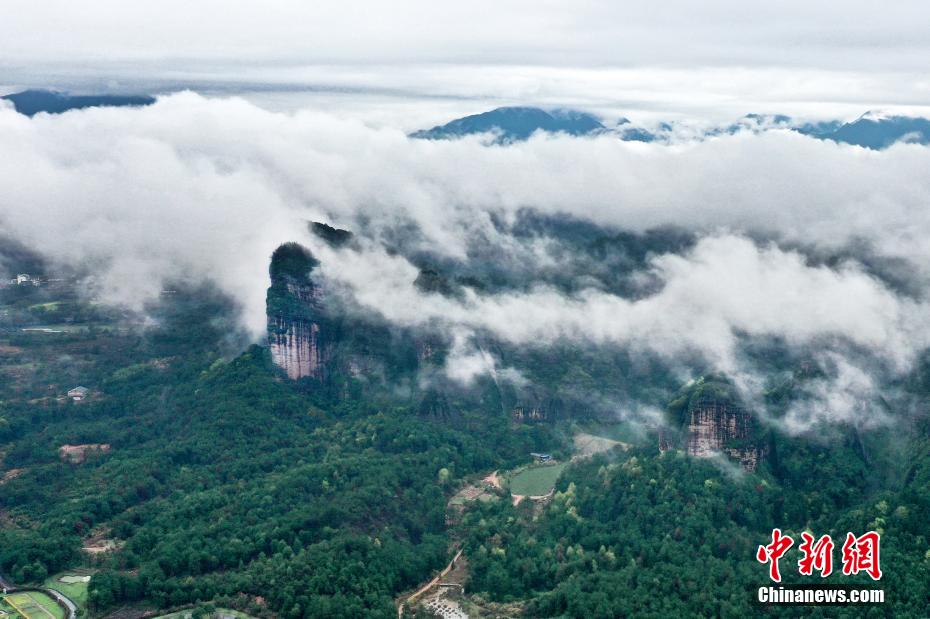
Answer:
(76, 589)
(536, 480)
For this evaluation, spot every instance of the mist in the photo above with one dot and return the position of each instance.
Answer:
(202, 190)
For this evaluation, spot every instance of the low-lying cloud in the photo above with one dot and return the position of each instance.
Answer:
(723, 289)
(204, 189)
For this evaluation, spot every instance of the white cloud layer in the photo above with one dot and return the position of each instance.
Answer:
(585, 33)
(205, 189)
(718, 59)
(724, 288)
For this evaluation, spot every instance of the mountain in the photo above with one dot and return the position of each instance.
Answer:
(230, 486)
(629, 133)
(513, 124)
(757, 123)
(876, 131)
(709, 419)
(297, 338)
(871, 130)
(32, 102)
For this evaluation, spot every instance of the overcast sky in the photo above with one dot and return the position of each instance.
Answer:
(702, 59)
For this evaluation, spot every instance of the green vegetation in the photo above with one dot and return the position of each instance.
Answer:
(618, 529)
(224, 483)
(35, 605)
(206, 611)
(72, 584)
(229, 487)
(536, 480)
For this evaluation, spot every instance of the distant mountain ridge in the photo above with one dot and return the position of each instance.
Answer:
(515, 124)
(512, 124)
(32, 102)
(877, 132)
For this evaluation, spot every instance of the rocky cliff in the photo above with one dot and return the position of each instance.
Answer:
(709, 420)
(297, 334)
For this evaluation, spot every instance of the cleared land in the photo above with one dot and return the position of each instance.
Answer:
(536, 480)
(586, 445)
(623, 432)
(35, 605)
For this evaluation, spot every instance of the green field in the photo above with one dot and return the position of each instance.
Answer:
(536, 480)
(35, 605)
(76, 591)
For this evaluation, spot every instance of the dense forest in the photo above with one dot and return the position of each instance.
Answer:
(223, 482)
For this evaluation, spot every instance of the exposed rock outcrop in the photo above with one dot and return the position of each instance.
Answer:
(297, 334)
(77, 454)
(534, 404)
(717, 426)
(709, 420)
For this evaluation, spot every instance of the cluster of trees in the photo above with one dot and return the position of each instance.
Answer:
(225, 482)
(643, 534)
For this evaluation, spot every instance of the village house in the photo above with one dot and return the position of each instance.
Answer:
(78, 393)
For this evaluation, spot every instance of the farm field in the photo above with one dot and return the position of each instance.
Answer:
(34, 605)
(537, 480)
(72, 584)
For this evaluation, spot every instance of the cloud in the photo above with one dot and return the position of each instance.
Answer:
(204, 189)
(845, 393)
(725, 288)
(585, 33)
(466, 361)
(718, 59)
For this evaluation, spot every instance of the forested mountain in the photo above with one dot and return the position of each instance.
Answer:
(314, 477)
(516, 123)
(32, 102)
(512, 124)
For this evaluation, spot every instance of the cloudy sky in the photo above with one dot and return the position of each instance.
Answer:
(710, 59)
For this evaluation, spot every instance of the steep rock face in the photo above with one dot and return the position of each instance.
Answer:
(719, 426)
(706, 419)
(535, 404)
(297, 334)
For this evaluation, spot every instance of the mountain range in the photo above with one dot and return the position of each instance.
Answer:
(514, 124)
(32, 102)
(518, 123)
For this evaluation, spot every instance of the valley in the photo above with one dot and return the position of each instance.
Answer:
(192, 476)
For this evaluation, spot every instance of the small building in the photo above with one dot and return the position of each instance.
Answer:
(541, 457)
(78, 393)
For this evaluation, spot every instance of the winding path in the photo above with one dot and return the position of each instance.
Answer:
(411, 599)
